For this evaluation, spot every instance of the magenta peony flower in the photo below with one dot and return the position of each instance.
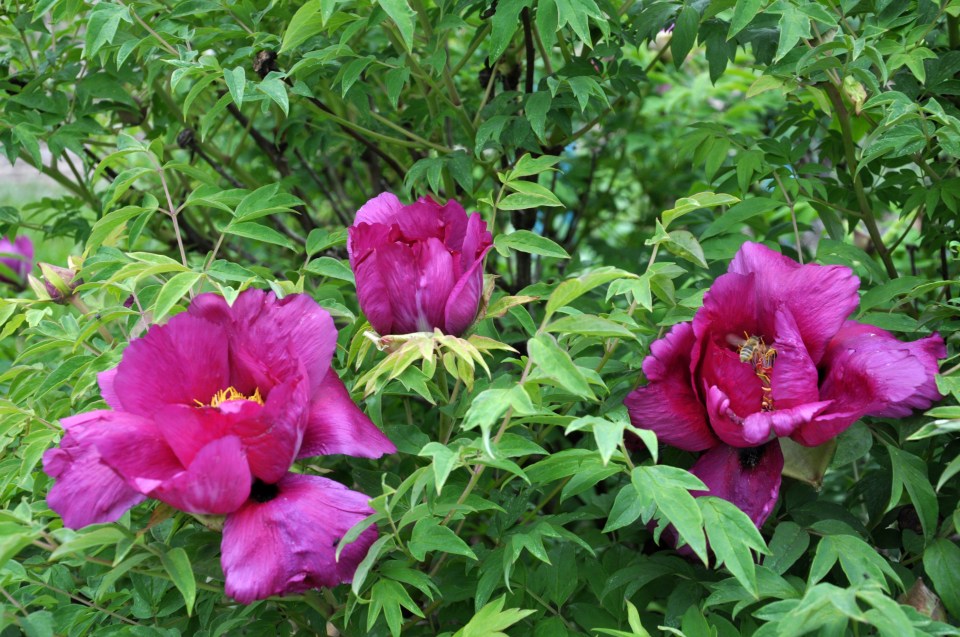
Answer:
(418, 267)
(770, 354)
(208, 414)
(16, 258)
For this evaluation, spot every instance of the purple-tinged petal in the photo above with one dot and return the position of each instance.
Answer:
(366, 238)
(793, 379)
(217, 482)
(385, 208)
(667, 405)
(721, 367)
(749, 478)
(726, 423)
(457, 228)
(178, 363)
(758, 426)
(86, 490)
(336, 425)
(820, 297)
(729, 311)
(105, 380)
(399, 268)
(287, 543)
(372, 294)
(867, 372)
(464, 299)
(435, 282)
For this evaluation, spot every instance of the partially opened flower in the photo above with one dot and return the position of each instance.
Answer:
(418, 267)
(770, 354)
(16, 259)
(208, 414)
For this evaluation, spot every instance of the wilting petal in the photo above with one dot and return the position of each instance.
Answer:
(336, 425)
(86, 490)
(217, 482)
(435, 281)
(399, 267)
(288, 544)
(464, 299)
(668, 405)
(177, 363)
(749, 478)
(868, 372)
(820, 297)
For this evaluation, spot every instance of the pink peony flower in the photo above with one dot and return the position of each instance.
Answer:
(418, 267)
(16, 258)
(208, 413)
(771, 353)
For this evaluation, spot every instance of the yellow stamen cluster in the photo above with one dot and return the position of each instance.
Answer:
(761, 357)
(231, 393)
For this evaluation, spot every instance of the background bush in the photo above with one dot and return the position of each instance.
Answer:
(201, 145)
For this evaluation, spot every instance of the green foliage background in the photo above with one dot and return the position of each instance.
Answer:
(202, 145)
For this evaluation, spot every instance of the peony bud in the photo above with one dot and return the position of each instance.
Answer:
(59, 283)
(418, 267)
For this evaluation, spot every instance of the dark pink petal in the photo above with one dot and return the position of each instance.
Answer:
(436, 280)
(384, 208)
(749, 478)
(729, 312)
(721, 367)
(758, 426)
(86, 490)
(794, 376)
(336, 425)
(177, 363)
(287, 544)
(399, 268)
(365, 238)
(726, 423)
(464, 300)
(869, 372)
(476, 242)
(456, 227)
(107, 392)
(372, 294)
(668, 405)
(820, 297)
(217, 482)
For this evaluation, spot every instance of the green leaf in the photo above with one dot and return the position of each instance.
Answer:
(236, 82)
(429, 536)
(526, 241)
(177, 564)
(555, 363)
(403, 16)
(669, 488)
(492, 620)
(172, 291)
(102, 26)
(444, 461)
(274, 88)
(788, 544)
(627, 507)
(733, 219)
(941, 561)
(732, 537)
(911, 472)
(529, 195)
(109, 223)
(572, 289)
(793, 26)
(743, 13)
(306, 22)
(686, 205)
(259, 232)
(589, 325)
(536, 109)
(859, 561)
(330, 267)
(684, 245)
(103, 536)
(684, 34)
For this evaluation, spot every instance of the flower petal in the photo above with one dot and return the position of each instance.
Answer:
(105, 380)
(372, 293)
(217, 482)
(399, 268)
(464, 299)
(86, 490)
(385, 208)
(793, 379)
(288, 544)
(435, 281)
(869, 372)
(336, 425)
(749, 478)
(668, 405)
(820, 297)
(177, 363)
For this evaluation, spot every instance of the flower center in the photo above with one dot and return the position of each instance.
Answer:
(231, 393)
(262, 492)
(761, 357)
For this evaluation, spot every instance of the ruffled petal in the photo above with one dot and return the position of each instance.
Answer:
(726, 423)
(288, 543)
(178, 363)
(667, 405)
(336, 425)
(86, 490)
(385, 208)
(217, 482)
(820, 297)
(758, 427)
(868, 372)
(749, 478)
